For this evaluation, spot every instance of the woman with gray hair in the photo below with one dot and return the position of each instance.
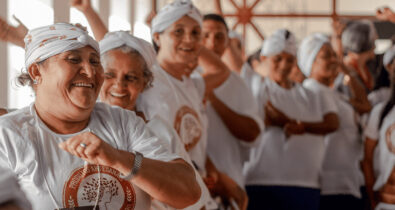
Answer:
(358, 43)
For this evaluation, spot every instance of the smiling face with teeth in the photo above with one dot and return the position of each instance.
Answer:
(124, 78)
(181, 42)
(69, 84)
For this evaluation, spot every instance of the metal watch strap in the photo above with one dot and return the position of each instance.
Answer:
(138, 159)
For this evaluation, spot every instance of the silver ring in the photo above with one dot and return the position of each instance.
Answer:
(83, 145)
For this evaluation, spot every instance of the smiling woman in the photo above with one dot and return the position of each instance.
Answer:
(76, 147)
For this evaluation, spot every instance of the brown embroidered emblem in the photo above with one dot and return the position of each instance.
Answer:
(188, 127)
(85, 187)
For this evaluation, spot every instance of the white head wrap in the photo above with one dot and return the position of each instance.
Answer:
(308, 50)
(117, 39)
(389, 55)
(280, 41)
(173, 12)
(47, 41)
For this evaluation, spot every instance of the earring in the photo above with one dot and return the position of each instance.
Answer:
(35, 82)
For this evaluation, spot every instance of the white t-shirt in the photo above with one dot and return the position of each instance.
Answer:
(11, 191)
(226, 151)
(179, 103)
(163, 130)
(251, 78)
(380, 95)
(293, 161)
(53, 178)
(384, 154)
(341, 173)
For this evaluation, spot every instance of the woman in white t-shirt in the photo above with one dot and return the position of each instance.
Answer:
(127, 63)
(283, 171)
(69, 151)
(379, 159)
(341, 176)
(177, 96)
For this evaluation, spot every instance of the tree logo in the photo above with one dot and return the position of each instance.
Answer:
(188, 127)
(86, 187)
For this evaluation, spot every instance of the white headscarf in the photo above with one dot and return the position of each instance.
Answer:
(280, 41)
(47, 41)
(117, 39)
(308, 50)
(173, 12)
(389, 55)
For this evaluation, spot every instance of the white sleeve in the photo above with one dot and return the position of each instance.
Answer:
(10, 190)
(142, 140)
(372, 130)
(199, 82)
(328, 102)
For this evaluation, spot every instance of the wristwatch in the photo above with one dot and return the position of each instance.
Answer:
(138, 159)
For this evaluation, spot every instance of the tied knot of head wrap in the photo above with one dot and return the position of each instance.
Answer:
(280, 41)
(389, 55)
(118, 39)
(308, 51)
(173, 12)
(47, 41)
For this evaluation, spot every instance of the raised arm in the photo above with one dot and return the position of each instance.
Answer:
(14, 35)
(215, 71)
(97, 25)
(242, 127)
(215, 74)
(233, 56)
(359, 99)
(385, 14)
(173, 183)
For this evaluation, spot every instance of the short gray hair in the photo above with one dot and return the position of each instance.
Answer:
(147, 74)
(359, 37)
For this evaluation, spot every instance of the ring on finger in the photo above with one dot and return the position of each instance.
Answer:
(83, 145)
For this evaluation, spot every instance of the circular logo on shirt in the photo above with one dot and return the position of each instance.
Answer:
(101, 185)
(188, 127)
(388, 137)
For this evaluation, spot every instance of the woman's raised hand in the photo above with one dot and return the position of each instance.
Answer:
(91, 148)
(12, 34)
(81, 5)
(385, 14)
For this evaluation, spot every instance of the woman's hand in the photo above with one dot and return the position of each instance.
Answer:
(274, 117)
(3, 111)
(91, 148)
(385, 14)
(12, 34)
(229, 190)
(294, 128)
(81, 5)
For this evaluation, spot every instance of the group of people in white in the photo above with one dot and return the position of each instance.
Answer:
(187, 123)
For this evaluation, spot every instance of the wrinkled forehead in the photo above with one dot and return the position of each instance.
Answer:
(186, 22)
